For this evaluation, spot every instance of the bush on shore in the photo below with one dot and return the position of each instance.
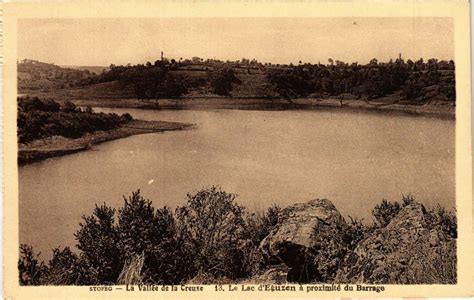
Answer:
(209, 239)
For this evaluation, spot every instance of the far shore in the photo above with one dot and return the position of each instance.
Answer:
(58, 146)
(434, 107)
(441, 110)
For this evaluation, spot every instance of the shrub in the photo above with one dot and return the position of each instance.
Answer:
(69, 107)
(98, 240)
(152, 234)
(125, 118)
(136, 225)
(66, 268)
(259, 225)
(173, 87)
(221, 80)
(212, 239)
(328, 250)
(407, 200)
(168, 254)
(355, 232)
(446, 221)
(29, 267)
(385, 211)
(29, 104)
(212, 226)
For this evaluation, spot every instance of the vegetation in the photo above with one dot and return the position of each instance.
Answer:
(211, 238)
(221, 80)
(43, 118)
(410, 82)
(417, 81)
(203, 237)
(35, 75)
(147, 81)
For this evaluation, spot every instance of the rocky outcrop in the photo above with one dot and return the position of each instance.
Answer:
(292, 239)
(315, 244)
(411, 249)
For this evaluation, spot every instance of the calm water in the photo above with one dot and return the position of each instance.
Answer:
(353, 159)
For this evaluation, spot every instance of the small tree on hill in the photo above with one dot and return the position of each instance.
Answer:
(221, 80)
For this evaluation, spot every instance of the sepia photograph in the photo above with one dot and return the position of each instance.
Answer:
(257, 152)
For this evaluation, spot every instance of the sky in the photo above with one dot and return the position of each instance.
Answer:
(101, 42)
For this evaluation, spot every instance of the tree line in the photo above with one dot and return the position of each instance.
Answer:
(43, 118)
(416, 81)
(374, 80)
(35, 75)
(157, 81)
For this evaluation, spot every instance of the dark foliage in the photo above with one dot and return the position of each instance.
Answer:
(385, 212)
(418, 81)
(259, 225)
(210, 238)
(142, 230)
(98, 240)
(168, 254)
(332, 243)
(147, 81)
(66, 268)
(446, 220)
(213, 227)
(328, 251)
(221, 80)
(30, 268)
(355, 232)
(43, 118)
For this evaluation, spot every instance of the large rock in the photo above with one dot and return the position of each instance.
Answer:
(411, 249)
(294, 236)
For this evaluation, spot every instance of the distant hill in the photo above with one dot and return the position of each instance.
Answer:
(403, 82)
(34, 76)
(91, 69)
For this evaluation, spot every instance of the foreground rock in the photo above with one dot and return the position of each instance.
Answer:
(291, 242)
(411, 249)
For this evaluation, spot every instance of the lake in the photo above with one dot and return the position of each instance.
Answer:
(355, 159)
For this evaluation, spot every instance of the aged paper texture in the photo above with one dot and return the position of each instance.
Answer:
(259, 149)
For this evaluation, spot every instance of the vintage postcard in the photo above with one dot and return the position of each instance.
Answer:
(213, 149)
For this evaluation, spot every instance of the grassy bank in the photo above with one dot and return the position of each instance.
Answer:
(58, 145)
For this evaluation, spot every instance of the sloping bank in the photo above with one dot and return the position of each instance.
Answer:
(445, 110)
(57, 145)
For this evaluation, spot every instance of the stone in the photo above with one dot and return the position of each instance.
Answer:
(294, 235)
(413, 250)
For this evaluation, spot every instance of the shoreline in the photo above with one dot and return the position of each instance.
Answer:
(431, 110)
(391, 103)
(54, 146)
